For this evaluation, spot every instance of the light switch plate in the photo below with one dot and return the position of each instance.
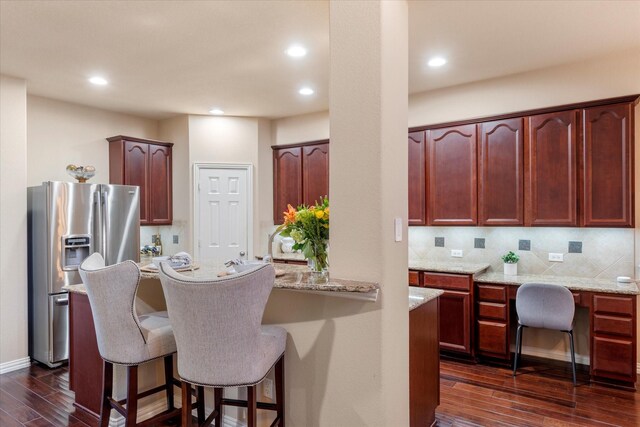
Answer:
(398, 229)
(555, 257)
(456, 253)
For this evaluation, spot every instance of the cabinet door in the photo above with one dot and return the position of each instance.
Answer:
(287, 180)
(607, 159)
(493, 339)
(136, 172)
(501, 173)
(159, 185)
(454, 309)
(550, 170)
(613, 357)
(451, 159)
(417, 179)
(315, 173)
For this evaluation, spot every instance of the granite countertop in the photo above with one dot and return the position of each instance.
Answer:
(448, 267)
(419, 296)
(286, 257)
(295, 277)
(573, 283)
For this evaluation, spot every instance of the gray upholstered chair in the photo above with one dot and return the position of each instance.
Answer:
(221, 342)
(546, 306)
(124, 338)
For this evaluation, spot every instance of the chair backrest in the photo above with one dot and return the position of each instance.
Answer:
(112, 292)
(541, 305)
(217, 322)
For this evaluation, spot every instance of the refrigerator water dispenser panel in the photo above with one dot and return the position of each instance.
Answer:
(75, 249)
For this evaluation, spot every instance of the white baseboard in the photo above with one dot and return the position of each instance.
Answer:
(555, 355)
(144, 412)
(14, 365)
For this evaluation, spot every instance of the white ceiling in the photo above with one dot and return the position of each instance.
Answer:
(174, 57)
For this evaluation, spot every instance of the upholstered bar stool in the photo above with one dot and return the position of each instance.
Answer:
(546, 306)
(221, 342)
(124, 338)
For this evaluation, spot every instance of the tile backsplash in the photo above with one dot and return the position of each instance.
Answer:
(605, 252)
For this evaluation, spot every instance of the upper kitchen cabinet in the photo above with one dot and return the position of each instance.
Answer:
(417, 178)
(315, 173)
(451, 172)
(551, 169)
(147, 164)
(501, 172)
(607, 166)
(300, 175)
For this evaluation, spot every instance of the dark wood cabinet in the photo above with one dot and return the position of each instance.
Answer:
(146, 164)
(452, 190)
(501, 172)
(315, 173)
(551, 169)
(492, 325)
(417, 178)
(607, 165)
(455, 308)
(424, 364)
(300, 175)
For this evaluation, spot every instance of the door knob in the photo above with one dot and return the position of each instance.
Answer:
(242, 253)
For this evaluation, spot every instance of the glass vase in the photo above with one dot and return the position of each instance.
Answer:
(318, 263)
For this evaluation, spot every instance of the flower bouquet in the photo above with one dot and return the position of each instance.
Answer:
(309, 228)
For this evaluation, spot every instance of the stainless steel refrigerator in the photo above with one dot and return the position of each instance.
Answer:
(67, 222)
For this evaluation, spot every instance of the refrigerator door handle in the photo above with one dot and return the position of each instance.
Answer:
(105, 227)
(97, 223)
(62, 301)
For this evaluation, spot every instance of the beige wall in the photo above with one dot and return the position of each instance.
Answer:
(60, 133)
(13, 220)
(302, 128)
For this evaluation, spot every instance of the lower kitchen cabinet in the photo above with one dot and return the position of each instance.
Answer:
(492, 324)
(455, 307)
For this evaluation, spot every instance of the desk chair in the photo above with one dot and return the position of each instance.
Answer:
(546, 306)
(221, 343)
(124, 338)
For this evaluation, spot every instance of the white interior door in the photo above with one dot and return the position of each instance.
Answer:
(222, 213)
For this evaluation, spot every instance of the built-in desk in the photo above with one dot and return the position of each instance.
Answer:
(612, 315)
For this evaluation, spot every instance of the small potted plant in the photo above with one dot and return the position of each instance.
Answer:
(510, 260)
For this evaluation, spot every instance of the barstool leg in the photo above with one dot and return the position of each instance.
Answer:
(573, 356)
(200, 410)
(217, 405)
(107, 389)
(186, 404)
(252, 413)
(280, 390)
(168, 380)
(518, 349)
(132, 395)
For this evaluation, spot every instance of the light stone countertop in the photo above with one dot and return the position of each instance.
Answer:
(286, 257)
(296, 278)
(419, 296)
(573, 283)
(448, 267)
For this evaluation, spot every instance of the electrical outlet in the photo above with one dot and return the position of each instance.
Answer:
(175, 239)
(456, 253)
(556, 257)
(267, 388)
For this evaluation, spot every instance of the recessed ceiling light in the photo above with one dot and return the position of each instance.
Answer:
(216, 111)
(296, 51)
(437, 62)
(98, 81)
(306, 91)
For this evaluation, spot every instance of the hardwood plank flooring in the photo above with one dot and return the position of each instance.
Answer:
(470, 396)
(542, 394)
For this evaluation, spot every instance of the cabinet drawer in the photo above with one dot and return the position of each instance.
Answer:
(492, 293)
(456, 282)
(613, 358)
(492, 310)
(613, 305)
(492, 338)
(414, 278)
(613, 325)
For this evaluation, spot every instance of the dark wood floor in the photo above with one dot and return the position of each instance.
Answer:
(471, 395)
(542, 394)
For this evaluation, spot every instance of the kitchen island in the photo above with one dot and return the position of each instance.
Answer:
(85, 363)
